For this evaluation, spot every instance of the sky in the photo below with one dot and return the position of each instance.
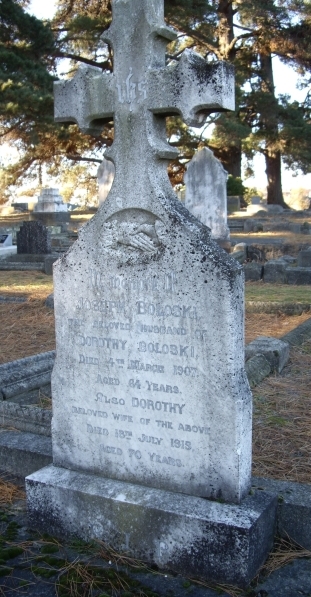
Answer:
(285, 80)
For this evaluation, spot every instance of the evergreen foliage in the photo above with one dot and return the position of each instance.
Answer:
(247, 34)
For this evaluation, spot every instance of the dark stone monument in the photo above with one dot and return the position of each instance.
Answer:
(33, 237)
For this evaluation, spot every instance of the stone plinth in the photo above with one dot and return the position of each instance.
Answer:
(221, 543)
(206, 192)
(51, 201)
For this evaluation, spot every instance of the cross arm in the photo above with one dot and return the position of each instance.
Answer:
(87, 99)
(192, 88)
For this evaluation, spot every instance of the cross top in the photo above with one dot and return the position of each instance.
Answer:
(138, 95)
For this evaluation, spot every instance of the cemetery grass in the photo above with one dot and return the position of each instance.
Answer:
(26, 328)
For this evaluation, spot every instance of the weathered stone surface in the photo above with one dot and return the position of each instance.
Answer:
(239, 256)
(252, 225)
(23, 266)
(275, 271)
(48, 264)
(23, 453)
(26, 418)
(221, 542)
(50, 200)
(49, 301)
(274, 350)
(304, 258)
(240, 247)
(253, 271)
(134, 358)
(298, 275)
(33, 237)
(275, 209)
(299, 335)
(6, 252)
(206, 192)
(13, 299)
(233, 203)
(25, 374)
(257, 368)
(294, 508)
(138, 394)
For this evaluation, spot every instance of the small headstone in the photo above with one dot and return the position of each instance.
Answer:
(105, 176)
(275, 271)
(33, 237)
(50, 200)
(253, 271)
(304, 258)
(233, 203)
(206, 192)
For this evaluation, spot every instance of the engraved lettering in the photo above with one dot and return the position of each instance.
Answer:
(165, 424)
(111, 450)
(118, 417)
(155, 329)
(154, 387)
(109, 381)
(121, 434)
(180, 444)
(194, 429)
(149, 439)
(110, 343)
(159, 310)
(97, 430)
(135, 453)
(101, 398)
(135, 383)
(90, 412)
(187, 371)
(165, 460)
(155, 347)
(151, 405)
(139, 366)
(84, 360)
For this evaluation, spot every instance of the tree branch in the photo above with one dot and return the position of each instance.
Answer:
(78, 158)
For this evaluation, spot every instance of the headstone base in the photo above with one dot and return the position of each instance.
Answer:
(222, 543)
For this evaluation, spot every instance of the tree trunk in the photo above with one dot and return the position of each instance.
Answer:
(225, 30)
(269, 123)
(273, 171)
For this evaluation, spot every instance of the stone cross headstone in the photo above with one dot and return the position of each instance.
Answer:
(33, 237)
(50, 201)
(206, 192)
(151, 404)
(105, 176)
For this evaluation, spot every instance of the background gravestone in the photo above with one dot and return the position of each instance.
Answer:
(206, 192)
(50, 200)
(105, 176)
(33, 237)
